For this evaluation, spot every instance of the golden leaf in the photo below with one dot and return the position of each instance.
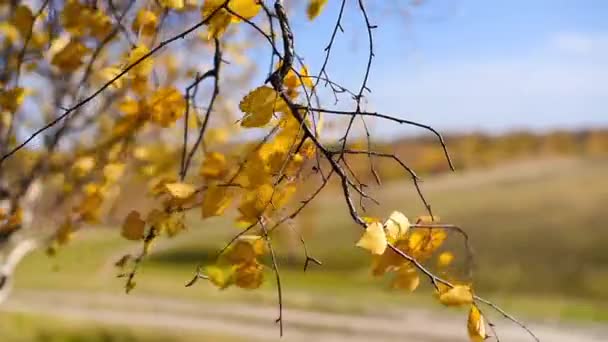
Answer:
(406, 279)
(180, 190)
(249, 275)
(476, 326)
(70, 57)
(145, 21)
(133, 226)
(173, 4)
(373, 239)
(214, 166)
(259, 105)
(245, 8)
(167, 106)
(215, 201)
(314, 8)
(456, 296)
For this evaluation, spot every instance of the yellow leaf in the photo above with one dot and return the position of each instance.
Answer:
(256, 202)
(107, 74)
(215, 201)
(214, 166)
(167, 106)
(445, 259)
(259, 105)
(174, 4)
(180, 190)
(249, 275)
(144, 67)
(406, 279)
(99, 24)
(476, 326)
(70, 57)
(146, 21)
(396, 226)
(456, 296)
(217, 24)
(246, 249)
(374, 239)
(219, 277)
(314, 8)
(133, 227)
(11, 99)
(245, 8)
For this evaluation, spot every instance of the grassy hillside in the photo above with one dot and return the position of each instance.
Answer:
(538, 230)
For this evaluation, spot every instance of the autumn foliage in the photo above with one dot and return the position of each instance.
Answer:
(95, 92)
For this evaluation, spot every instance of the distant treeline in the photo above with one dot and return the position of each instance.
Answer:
(478, 150)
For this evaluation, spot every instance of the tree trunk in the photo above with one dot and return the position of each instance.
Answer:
(8, 265)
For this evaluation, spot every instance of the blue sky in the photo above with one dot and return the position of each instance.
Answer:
(469, 65)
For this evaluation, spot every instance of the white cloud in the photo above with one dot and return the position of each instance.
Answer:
(580, 43)
(533, 89)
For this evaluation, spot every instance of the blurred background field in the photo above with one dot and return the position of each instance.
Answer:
(536, 222)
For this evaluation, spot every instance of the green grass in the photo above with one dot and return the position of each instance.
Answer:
(538, 231)
(39, 328)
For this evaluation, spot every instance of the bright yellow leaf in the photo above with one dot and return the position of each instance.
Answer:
(133, 226)
(259, 105)
(70, 57)
(456, 296)
(145, 22)
(245, 8)
(215, 201)
(173, 4)
(180, 190)
(167, 105)
(214, 166)
(374, 239)
(476, 326)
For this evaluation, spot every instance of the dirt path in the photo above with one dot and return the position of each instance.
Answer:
(256, 322)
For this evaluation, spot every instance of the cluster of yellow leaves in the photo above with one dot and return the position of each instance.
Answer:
(163, 107)
(146, 22)
(70, 56)
(81, 20)
(221, 18)
(239, 265)
(420, 244)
